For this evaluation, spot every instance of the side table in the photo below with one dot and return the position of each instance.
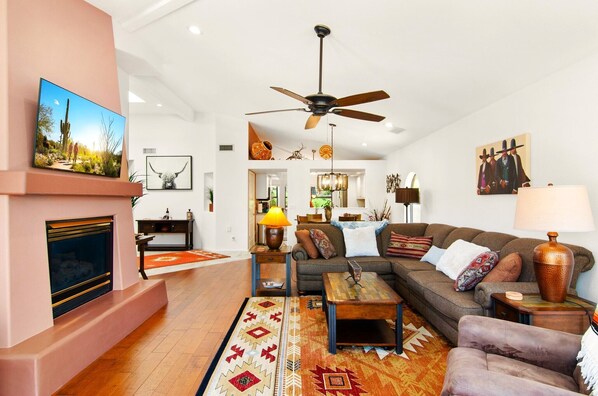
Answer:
(572, 316)
(141, 243)
(263, 255)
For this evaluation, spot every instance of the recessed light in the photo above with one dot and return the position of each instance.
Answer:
(134, 98)
(194, 29)
(158, 104)
(388, 125)
(364, 144)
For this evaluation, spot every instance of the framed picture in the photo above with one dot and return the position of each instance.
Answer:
(169, 172)
(503, 167)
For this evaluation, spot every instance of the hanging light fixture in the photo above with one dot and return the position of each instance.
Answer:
(332, 181)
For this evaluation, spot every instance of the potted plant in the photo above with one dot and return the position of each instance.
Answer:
(211, 198)
(134, 178)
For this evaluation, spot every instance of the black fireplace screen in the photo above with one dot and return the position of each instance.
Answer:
(80, 257)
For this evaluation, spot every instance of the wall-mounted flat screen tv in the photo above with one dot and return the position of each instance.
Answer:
(75, 134)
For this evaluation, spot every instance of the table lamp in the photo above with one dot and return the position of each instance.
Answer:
(407, 196)
(275, 221)
(559, 208)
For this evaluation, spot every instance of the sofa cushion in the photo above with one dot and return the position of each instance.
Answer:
(304, 239)
(507, 269)
(445, 299)
(379, 226)
(476, 271)
(493, 240)
(407, 246)
(339, 264)
(360, 242)
(403, 266)
(458, 256)
(322, 242)
(439, 232)
(419, 281)
(463, 233)
(516, 368)
(433, 255)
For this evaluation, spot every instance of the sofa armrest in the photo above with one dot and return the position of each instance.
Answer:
(484, 290)
(299, 252)
(551, 349)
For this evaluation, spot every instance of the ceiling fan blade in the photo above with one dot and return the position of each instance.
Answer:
(274, 111)
(360, 115)
(312, 121)
(292, 95)
(361, 98)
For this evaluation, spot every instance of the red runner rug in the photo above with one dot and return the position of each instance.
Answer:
(175, 258)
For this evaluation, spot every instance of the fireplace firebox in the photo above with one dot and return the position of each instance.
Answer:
(80, 254)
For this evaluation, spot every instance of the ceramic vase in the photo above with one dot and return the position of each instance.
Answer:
(261, 150)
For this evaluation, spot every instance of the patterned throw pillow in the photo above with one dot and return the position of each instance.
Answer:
(406, 246)
(476, 271)
(508, 269)
(320, 239)
(304, 239)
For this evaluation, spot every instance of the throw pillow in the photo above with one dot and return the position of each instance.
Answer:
(433, 255)
(476, 271)
(322, 242)
(458, 256)
(588, 356)
(378, 225)
(304, 239)
(360, 242)
(406, 246)
(508, 269)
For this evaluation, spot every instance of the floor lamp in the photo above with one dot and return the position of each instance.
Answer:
(407, 196)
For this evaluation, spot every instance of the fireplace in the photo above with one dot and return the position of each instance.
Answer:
(80, 254)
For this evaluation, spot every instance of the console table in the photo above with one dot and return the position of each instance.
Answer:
(167, 227)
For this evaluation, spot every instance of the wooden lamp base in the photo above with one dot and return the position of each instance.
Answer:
(553, 265)
(274, 237)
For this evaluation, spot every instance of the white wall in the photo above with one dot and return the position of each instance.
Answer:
(561, 115)
(171, 135)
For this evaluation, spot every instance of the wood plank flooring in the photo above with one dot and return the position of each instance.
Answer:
(170, 353)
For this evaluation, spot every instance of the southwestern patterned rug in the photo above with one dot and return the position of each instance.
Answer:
(278, 346)
(175, 258)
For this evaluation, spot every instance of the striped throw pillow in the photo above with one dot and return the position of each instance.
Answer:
(406, 246)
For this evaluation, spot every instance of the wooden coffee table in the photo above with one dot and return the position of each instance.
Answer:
(357, 315)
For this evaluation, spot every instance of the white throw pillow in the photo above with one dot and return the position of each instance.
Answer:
(433, 255)
(360, 242)
(458, 256)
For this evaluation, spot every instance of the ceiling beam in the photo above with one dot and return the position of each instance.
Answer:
(152, 13)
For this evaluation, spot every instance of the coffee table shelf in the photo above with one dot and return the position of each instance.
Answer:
(357, 315)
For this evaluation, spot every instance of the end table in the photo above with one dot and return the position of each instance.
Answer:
(572, 316)
(263, 255)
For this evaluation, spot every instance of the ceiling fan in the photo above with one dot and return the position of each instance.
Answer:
(321, 104)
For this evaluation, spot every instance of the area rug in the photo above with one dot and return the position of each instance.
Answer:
(279, 346)
(174, 258)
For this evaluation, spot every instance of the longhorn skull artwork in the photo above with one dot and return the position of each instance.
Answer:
(168, 177)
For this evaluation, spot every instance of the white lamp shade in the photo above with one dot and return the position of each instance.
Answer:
(554, 208)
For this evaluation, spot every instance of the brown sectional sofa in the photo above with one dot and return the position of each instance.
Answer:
(419, 283)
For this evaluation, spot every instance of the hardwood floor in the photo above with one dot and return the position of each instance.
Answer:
(170, 353)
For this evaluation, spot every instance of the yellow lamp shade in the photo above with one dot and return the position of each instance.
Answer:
(275, 218)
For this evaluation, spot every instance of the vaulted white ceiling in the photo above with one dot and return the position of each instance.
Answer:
(438, 60)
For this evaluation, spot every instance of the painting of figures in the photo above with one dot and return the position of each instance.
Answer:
(503, 167)
(75, 134)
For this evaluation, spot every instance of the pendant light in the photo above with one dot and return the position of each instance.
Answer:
(332, 181)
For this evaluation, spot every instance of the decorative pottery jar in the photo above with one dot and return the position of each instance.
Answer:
(261, 150)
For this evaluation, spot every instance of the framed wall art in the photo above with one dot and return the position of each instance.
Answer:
(169, 172)
(503, 167)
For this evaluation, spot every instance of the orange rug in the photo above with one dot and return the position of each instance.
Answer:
(279, 346)
(175, 258)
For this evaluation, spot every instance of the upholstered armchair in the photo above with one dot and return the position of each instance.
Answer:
(497, 357)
